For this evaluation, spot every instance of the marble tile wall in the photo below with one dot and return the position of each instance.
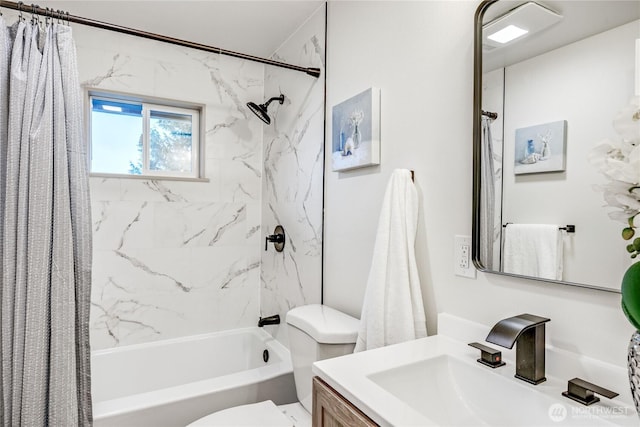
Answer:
(292, 187)
(175, 258)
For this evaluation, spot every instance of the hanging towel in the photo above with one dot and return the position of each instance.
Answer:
(393, 310)
(533, 250)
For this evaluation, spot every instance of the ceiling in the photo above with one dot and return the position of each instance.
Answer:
(581, 19)
(256, 27)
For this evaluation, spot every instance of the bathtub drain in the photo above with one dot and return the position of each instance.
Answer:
(265, 356)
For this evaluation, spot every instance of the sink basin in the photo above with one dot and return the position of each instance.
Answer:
(436, 381)
(452, 392)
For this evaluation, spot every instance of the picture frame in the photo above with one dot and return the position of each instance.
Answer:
(541, 148)
(356, 131)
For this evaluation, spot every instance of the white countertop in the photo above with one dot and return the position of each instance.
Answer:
(349, 376)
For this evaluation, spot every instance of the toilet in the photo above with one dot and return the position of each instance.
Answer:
(316, 332)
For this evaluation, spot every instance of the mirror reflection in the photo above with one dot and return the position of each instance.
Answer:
(554, 76)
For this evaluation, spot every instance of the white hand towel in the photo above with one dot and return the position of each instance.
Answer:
(393, 310)
(533, 250)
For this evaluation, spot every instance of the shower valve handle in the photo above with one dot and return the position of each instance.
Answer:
(273, 238)
(277, 238)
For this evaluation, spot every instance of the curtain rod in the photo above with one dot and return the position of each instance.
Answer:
(35, 9)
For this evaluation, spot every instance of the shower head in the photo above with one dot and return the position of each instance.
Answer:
(261, 110)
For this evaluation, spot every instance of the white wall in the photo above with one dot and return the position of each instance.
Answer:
(420, 55)
(585, 83)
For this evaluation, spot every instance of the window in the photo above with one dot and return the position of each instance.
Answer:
(142, 138)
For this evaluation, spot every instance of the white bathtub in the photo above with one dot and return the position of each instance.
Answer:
(174, 382)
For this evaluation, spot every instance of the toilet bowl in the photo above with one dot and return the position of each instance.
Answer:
(263, 414)
(316, 332)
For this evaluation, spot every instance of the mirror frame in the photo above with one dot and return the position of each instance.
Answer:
(477, 159)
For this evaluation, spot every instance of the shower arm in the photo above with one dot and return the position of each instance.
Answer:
(280, 99)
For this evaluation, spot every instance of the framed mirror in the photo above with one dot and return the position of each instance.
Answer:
(542, 101)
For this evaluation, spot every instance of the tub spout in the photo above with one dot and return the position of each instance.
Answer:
(271, 320)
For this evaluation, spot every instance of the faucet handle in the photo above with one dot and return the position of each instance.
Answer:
(488, 356)
(583, 392)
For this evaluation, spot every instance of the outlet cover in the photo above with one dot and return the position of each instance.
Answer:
(462, 264)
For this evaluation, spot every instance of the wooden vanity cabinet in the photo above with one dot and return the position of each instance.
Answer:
(330, 409)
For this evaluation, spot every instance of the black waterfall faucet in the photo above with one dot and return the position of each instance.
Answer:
(527, 331)
(271, 320)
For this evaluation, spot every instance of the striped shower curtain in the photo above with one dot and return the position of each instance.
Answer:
(487, 196)
(45, 232)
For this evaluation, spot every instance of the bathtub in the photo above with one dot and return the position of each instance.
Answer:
(174, 382)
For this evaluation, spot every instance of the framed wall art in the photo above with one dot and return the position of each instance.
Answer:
(356, 131)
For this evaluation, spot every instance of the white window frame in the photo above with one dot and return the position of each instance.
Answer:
(164, 106)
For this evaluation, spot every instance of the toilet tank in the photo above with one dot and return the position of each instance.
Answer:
(317, 332)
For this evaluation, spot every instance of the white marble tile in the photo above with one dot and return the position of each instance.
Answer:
(119, 225)
(199, 224)
(292, 182)
(104, 189)
(173, 258)
(254, 236)
(131, 293)
(240, 179)
(150, 191)
(115, 71)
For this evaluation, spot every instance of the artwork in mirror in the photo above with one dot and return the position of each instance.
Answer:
(540, 148)
(572, 77)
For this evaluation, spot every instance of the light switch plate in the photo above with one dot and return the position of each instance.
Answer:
(462, 264)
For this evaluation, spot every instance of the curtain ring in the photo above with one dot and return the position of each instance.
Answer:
(20, 17)
(34, 17)
(68, 21)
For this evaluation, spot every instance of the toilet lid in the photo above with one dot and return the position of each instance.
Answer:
(263, 414)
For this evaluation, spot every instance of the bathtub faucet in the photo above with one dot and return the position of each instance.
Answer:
(271, 320)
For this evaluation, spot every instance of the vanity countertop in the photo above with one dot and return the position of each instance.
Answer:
(437, 381)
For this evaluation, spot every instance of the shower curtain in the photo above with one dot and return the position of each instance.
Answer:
(487, 196)
(45, 231)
